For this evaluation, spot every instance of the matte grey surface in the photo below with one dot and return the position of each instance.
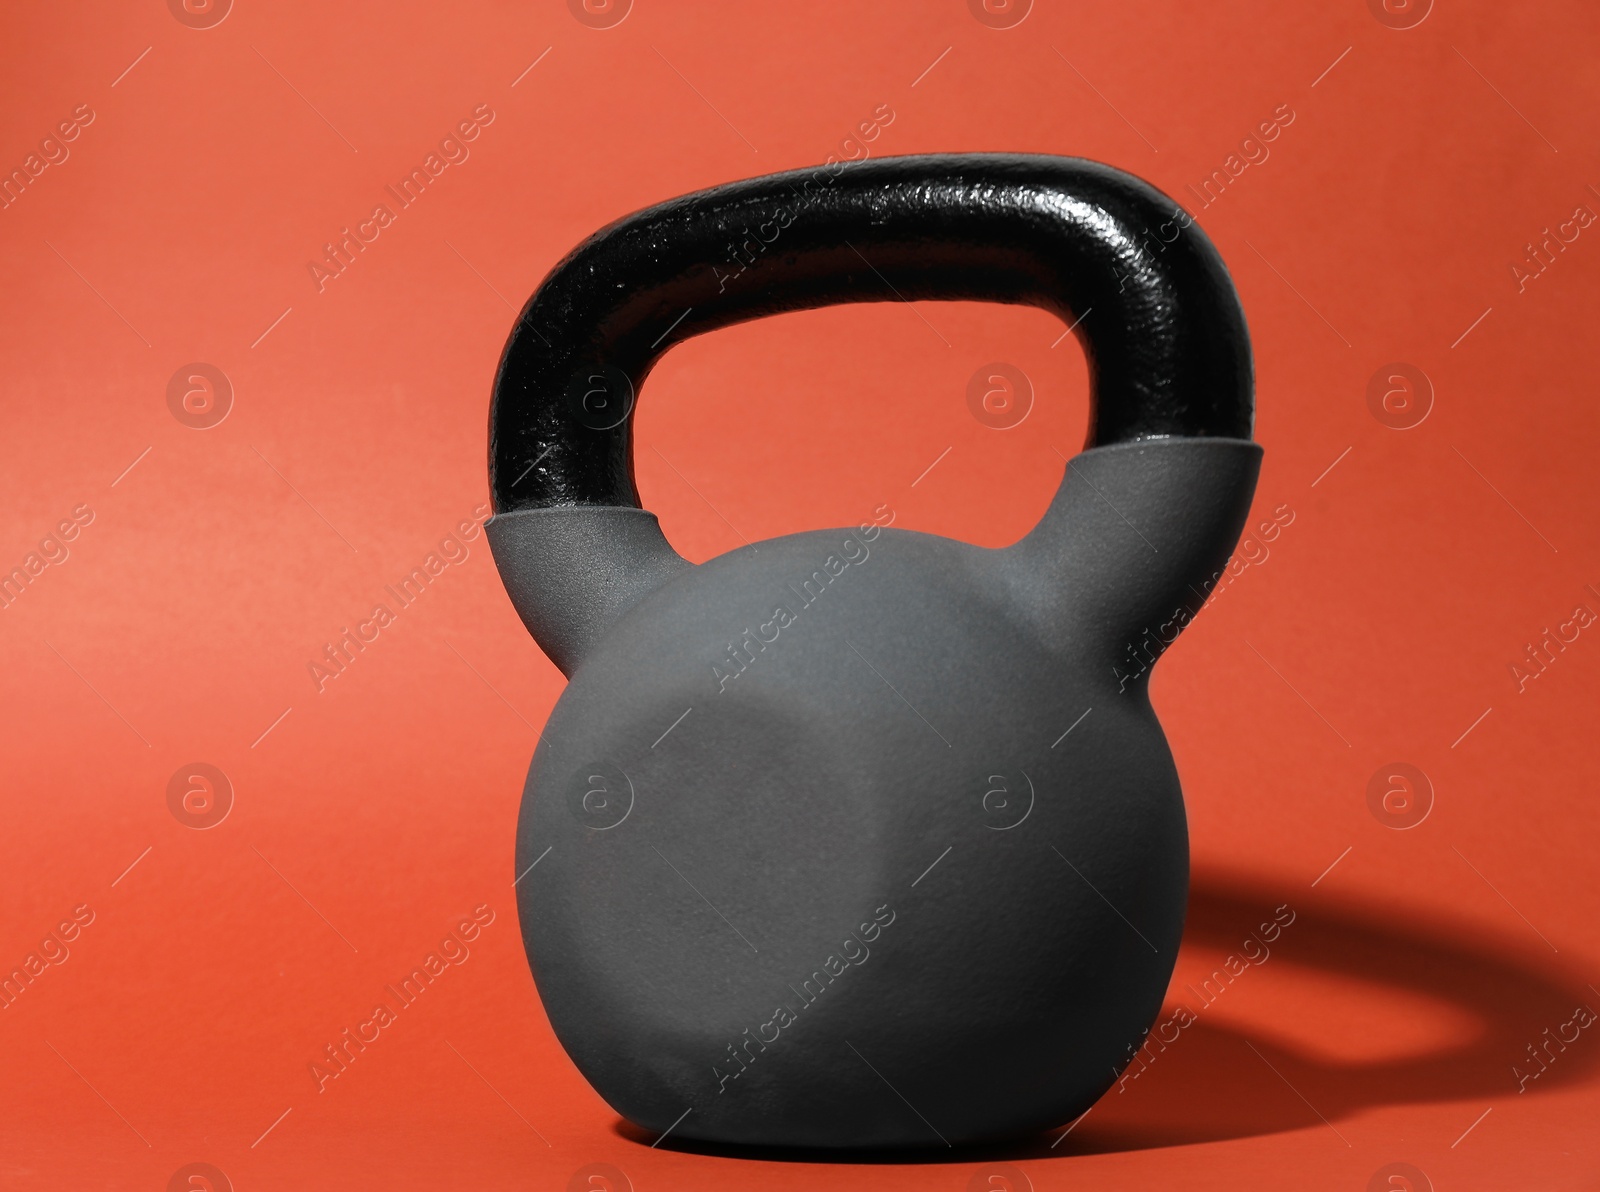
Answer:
(571, 571)
(902, 865)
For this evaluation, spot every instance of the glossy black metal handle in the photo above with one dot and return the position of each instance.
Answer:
(1141, 285)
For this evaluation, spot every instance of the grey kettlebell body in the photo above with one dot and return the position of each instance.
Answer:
(864, 837)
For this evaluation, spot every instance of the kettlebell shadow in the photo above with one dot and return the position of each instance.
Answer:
(1224, 1078)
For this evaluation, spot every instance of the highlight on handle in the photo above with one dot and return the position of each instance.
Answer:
(1118, 261)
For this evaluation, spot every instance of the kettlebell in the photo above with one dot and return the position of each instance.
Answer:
(863, 837)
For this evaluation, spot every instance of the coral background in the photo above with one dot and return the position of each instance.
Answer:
(368, 818)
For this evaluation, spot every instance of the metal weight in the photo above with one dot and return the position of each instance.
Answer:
(805, 856)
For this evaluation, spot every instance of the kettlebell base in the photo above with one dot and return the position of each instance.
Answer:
(927, 1147)
(827, 877)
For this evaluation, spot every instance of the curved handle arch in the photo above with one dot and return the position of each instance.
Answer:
(1125, 266)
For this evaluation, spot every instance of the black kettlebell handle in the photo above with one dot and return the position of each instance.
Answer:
(1120, 262)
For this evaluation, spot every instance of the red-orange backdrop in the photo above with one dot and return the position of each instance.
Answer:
(1413, 245)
